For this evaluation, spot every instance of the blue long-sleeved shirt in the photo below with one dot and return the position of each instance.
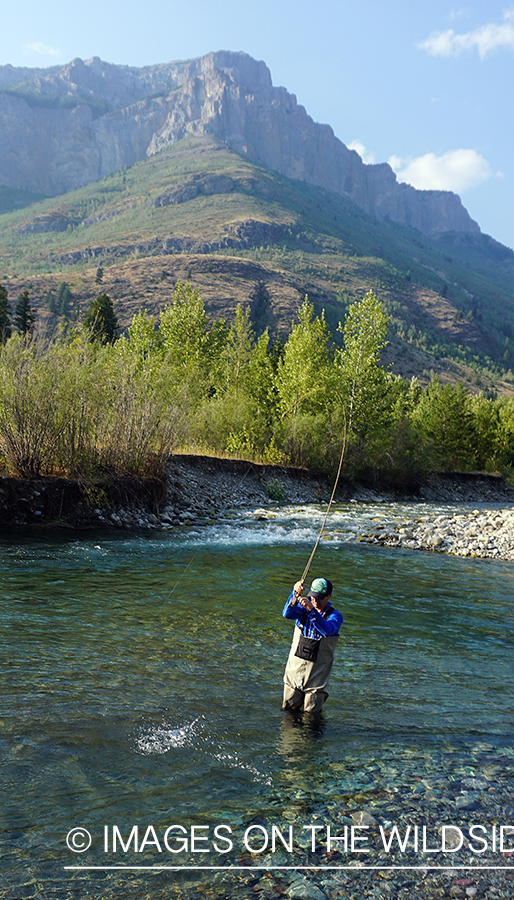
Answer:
(316, 625)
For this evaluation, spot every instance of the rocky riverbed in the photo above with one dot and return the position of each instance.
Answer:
(200, 490)
(482, 533)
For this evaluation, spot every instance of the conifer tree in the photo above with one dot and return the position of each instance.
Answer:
(24, 316)
(50, 302)
(5, 316)
(260, 307)
(101, 320)
(64, 298)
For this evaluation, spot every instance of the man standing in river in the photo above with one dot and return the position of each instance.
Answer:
(312, 651)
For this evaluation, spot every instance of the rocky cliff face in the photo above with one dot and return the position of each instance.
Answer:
(64, 127)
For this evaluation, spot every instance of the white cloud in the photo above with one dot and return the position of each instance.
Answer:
(456, 170)
(366, 156)
(43, 49)
(486, 39)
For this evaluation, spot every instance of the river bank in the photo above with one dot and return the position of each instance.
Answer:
(482, 533)
(198, 490)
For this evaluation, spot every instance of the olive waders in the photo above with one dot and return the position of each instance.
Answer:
(306, 680)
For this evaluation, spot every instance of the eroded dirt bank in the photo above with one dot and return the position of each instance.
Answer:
(197, 488)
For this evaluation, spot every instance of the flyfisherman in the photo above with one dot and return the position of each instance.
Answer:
(312, 651)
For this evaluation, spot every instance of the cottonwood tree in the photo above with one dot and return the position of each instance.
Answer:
(302, 372)
(142, 337)
(242, 402)
(360, 379)
(246, 367)
(301, 385)
(190, 341)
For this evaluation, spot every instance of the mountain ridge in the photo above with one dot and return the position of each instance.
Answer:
(198, 211)
(64, 127)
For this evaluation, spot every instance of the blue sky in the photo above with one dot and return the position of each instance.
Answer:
(425, 86)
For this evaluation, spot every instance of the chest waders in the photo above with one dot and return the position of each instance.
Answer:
(308, 669)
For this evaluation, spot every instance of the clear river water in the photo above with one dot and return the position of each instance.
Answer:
(141, 687)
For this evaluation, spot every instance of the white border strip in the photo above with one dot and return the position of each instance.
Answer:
(354, 868)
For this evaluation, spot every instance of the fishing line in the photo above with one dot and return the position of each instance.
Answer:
(311, 557)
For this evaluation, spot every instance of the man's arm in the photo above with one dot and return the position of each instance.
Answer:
(331, 625)
(292, 609)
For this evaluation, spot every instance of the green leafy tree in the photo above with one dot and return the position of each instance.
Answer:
(5, 315)
(301, 382)
(24, 316)
(101, 320)
(246, 367)
(360, 379)
(99, 275)
(237, 417)
(191, 343)
(494, 432)
(276, 350)
(142, 336)
(302, 372)
(394, 448)
(446, 418)
(504, 438)
(236, 353)
(244, 391)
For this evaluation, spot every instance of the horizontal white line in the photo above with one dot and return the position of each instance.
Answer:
(355, 868)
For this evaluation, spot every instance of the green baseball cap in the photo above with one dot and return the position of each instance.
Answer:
(320, 588)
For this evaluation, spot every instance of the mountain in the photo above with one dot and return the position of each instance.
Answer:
(64, 127)
(240, 213)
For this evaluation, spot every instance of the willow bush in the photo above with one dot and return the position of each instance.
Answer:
(78, 407)
(32, 414)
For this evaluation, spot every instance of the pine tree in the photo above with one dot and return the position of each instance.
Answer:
(5, 316)
(64, 298)
(101, 320)
(260, 307)
(50, 302)
(24, 316)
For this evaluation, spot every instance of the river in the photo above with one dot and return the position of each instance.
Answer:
(141, 686)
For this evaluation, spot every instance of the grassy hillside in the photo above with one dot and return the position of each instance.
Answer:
(200, 211)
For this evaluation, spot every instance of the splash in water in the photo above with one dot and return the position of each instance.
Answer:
(165, 737)
(160, 739)
(233, 761)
